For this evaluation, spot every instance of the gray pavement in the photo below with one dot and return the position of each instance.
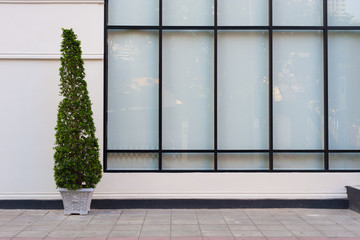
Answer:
(187, 224)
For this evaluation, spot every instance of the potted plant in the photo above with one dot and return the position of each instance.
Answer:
(77, 167)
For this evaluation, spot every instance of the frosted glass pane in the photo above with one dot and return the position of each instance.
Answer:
(243, 12)
(298, 90)
(344, 161)
(134, 12)
(187, 90)
(186, 161)
(188, 12)
(132, 161)
(344, 85)
(343, 12)
(298, 161)
(132, 90)
(243, 161)
(243, 90)
(297, 12)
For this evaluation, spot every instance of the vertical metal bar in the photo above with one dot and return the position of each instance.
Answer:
(160, 86)
(105, 86)
(271, 145)
(215, 88)
(326, 110)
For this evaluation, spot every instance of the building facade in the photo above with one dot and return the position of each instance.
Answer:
(257, 101)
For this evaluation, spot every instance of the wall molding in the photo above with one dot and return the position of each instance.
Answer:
(228, 196)
(46, 56)
(51, 1)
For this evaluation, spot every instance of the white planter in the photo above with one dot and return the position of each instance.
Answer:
(76, 201)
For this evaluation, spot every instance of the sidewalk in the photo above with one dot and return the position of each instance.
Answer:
(182, 224)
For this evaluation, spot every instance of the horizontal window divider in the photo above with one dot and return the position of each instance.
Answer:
(343, 27)
(298, 27)
(243, 151)
(243, 27)
(188, 27)
(123, 27)
(344, 151)
(298, 151)
(132, 151)
(188, 151)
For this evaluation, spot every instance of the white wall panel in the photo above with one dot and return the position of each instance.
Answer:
(36, 28)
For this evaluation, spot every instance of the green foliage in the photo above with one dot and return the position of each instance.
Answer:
(76, 155)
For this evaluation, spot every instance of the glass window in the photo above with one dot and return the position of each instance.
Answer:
(188, 90)
(298, 12)
(243, 12)
(298, 90)
(243, 87)
(344, 12)
(133, 85)
(134, 12)
(232, 85)
(188, 12)
(344, 85)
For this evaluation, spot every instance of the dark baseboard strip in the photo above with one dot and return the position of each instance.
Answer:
(183, 203)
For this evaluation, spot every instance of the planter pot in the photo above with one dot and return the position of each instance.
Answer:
(76, 201)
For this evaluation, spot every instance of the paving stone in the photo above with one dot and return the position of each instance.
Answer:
(185, 227)
(245, 233)
(307, 233)
(271, 227)
(216, 233)
(150, 227)
(98, 227)
(276, 233)
(9, 233)
(240, 227)
(214, 227)
(152, 233)
(183, 222)
(186, 233)
(94, 234)
(211, 221)
(35, 212)
(64, 234)
(124, 234)
(157, 222)
(332, 233)
(26, 234)
(123, 227)
(129, 221)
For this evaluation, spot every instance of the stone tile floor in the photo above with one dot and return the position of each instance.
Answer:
(182, 224)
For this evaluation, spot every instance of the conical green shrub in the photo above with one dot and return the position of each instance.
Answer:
(76, 155)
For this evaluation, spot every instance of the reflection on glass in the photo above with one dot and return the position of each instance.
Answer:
(187, 161)
(298, 90)
(344, 161)
(187, 90)
(188, 12)
(132, 161)
(243, 90)
(297, 12)
(343, 12)
(134, 12)
(132, 90)
(344, 85)
(243, 161)
(243, 12)
(298, 161)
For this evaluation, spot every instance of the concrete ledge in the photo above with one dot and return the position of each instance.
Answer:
(183, 203)
(353, 193)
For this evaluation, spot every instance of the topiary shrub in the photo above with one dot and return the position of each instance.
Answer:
(76, 148)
